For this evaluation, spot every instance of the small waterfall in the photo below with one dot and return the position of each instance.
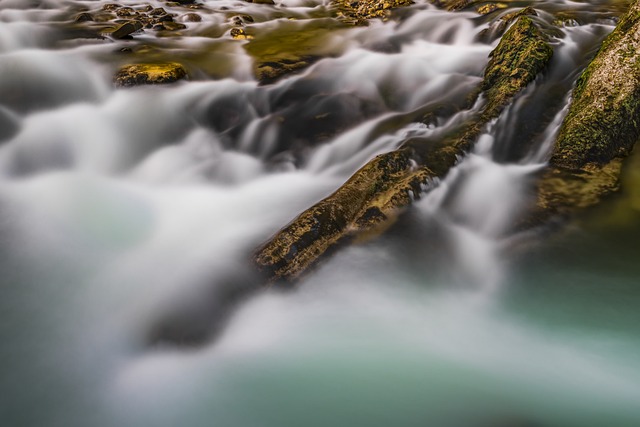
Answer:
(127, 218)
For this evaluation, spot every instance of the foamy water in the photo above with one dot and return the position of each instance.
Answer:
(128, 218)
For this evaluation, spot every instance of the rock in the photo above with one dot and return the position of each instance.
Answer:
(110, 7)
(268, 72)
(490, 7)
(126, 12)
(158, 12)
(509, 69)
(122, 30)
(499, 26)
(374, 196)
(261, 1)
(169, 26)
(149, 74)
(452, 5)
(191, 17)
(164, 18)
(601, 127)
(240, 34)
(84, 17)
(358, 12)
(289, 47)
(603, 121)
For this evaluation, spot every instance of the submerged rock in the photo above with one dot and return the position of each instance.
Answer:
(122, 30)
(240, 34)
(149, 74)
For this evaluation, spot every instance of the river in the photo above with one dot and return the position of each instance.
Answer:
(127, 217)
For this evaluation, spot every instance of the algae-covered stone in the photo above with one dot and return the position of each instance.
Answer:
(149, 74)
(84, 17)
(603, 121)
(601, 127)
(521, 55)
(240, 34)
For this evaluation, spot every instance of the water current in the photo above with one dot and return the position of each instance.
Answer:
(128, 211)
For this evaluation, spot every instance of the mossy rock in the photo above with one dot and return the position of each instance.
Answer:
(488, 8)
(360, 11)
(603, 121)
(373, 197)
(601, 127)
(368, 199)
(510, 69)
(149, 74)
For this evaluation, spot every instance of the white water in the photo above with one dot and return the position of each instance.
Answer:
(122, 211)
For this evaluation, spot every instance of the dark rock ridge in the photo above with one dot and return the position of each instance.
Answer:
(371, 199)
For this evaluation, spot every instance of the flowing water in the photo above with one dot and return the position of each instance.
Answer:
(127, 217)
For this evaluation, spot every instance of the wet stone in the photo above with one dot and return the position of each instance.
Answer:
(84, 17)
(126, 12)
(172, 26)
(490, 7)
(122, 30)
(158, 12)
(149, 74)
(239, 34)
(110, 7)
(191, 17)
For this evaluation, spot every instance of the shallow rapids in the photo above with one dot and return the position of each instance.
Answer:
(128, 216)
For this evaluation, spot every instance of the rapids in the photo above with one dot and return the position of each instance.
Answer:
(127, 217)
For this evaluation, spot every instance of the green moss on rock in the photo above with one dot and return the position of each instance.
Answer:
(600, 129)
(604, 119)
